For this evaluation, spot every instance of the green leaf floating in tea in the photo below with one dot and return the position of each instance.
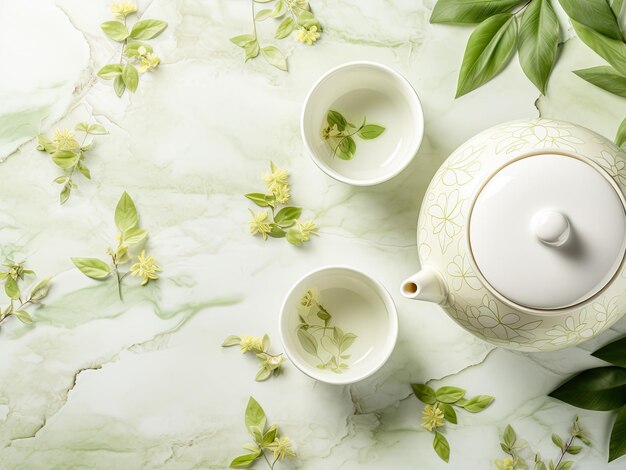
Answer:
(339, 132)
(319, 337)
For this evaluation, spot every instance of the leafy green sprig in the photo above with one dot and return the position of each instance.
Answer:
(13, 276)
(295, 15)
(339, 134)
(69, 154)
(319, 337)
(532, 27)
(602, 389)
(135, 51)
(440, 408)
(130, 239)
(283, 222)
(512, 447)
(270, 364)
(267, 440)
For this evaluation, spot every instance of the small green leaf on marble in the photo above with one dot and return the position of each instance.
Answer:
(287, 216)
(130, 75)
(242, 39)
(23, 316)
(424, 393)
(116, 30)
(255, 416)
(285, 28)
(614, 352)
(245, 461)
(464, 11)
(448, 413)
(40, 291)
(126, 213)
(110, 71)
(275, 57)
(478, 403)
(11, 288)
(119, 86)
(92, 267)
(449, 394)
(441, 446)
(134, 235)
(605, 77)
(147, 29)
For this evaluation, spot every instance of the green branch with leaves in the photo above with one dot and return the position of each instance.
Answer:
(294, 15)
(339, 134)
(136, 56)
(267, 440)
(131, 239)
(13, 276)
(513, 447)
(440, 408)
(69, 154)
(270, 364)
(602, 389)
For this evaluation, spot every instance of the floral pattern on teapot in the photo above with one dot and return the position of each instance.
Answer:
(442, 241)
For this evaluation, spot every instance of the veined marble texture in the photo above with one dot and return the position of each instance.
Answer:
(96, 383)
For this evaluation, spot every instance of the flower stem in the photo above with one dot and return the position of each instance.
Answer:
(253, 24)
(271, 465)
(564, 450)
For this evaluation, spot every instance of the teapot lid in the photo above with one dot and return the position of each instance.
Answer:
(548, 231)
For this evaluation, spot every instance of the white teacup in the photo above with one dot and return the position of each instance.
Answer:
(338, 325)
(364, 90)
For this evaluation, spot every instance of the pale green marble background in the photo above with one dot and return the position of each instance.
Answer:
(144, 384)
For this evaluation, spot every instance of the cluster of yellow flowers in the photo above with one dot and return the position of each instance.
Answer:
(308, 35)
(147, 60)
(64, 139)
(432, 417)
(145, 267)
(122, 9)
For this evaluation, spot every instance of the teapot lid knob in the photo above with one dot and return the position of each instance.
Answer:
(551, 227)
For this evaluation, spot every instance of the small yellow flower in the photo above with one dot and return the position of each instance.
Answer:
(64, 139)
(505, 464)
(310, 298)
(260, 224)
(123, 9)
(275, 178)
(251, 343)
(281, 448)
(432, 417)
(148, 61)
(281, 193)
(307, 228)
(308, 36)
(146, 267)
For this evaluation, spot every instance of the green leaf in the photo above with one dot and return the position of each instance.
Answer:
(478, 403)
(346, 342)
(308, 342)
(464, 11)
(147, 29)
(232, 340)
(605, 77)
(263, 14)
(11, 288)
(566, 464)
(449, 394)
(92, 267)
(64, 158)
(538, 42)
(595, 14)
(287, 215)
(616, 6)
(276, 231)
(509, 437)
(488, 50)
(130, 77)
(81, 127)
(255, 416)
(611, 50)
(84, 170)
(285, 28)
(245, 461)
(276, 58)
(134, 235)
(424, 393)
(45, 144)
(448, 413)
(116, 30)
(118, 85)
(573, 450)
(600, 389)
(346, 148)
(23, 316)
(294, 236)
(243, 39)
(371, 131)
(263, 374)
(556, 439)
(306, 19)
(64, 195)
(614, 352)
(126, 213)
(441, 446)
(269, 436)
(96, 129)
(110, 71)
(258, 198)
(336, 118)
(40, 291)
(617, 443)
(132, 48)
(251, 50)
(620, 140)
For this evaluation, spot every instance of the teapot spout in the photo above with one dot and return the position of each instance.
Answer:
(427, 285)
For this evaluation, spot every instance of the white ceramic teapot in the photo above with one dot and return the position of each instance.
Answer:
(522, 233)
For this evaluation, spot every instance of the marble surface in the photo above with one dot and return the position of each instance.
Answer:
(97, 383)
